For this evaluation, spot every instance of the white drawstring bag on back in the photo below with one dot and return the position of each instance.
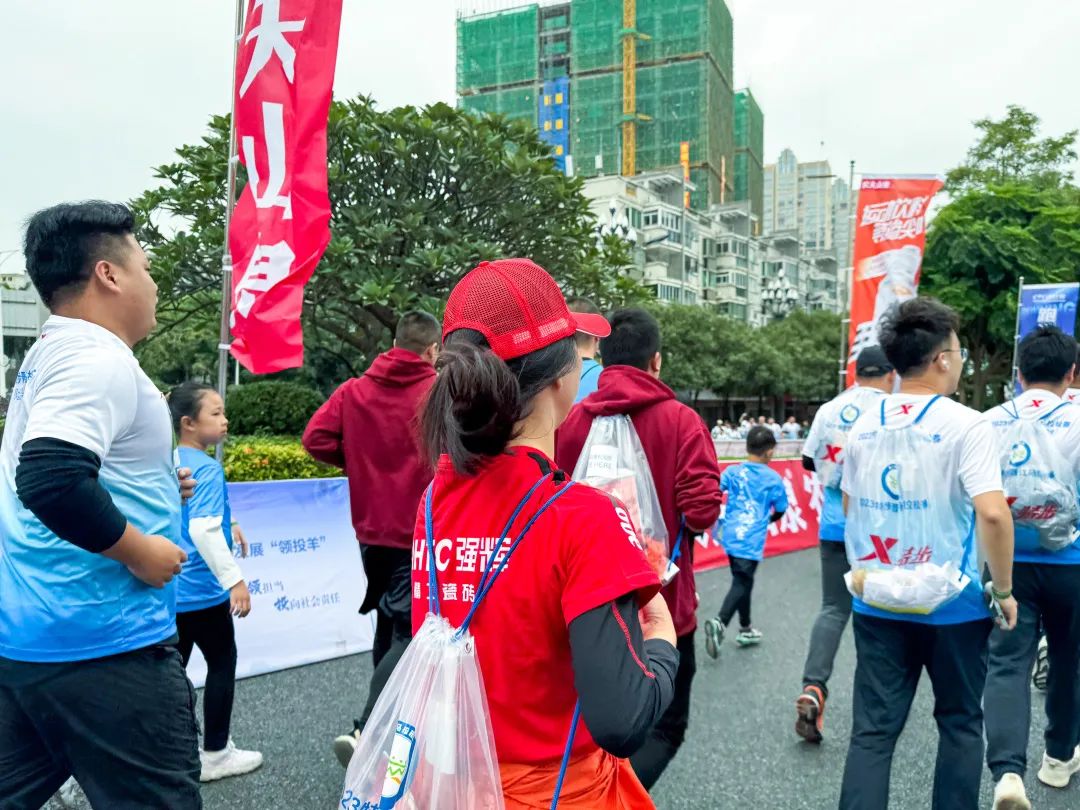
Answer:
(428, 744)
(905, 552)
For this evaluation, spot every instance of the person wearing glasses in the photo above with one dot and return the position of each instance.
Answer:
(921, 480)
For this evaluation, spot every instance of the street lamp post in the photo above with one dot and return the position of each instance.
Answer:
(778, 298)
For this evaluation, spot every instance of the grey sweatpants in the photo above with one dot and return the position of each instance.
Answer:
(833, 617)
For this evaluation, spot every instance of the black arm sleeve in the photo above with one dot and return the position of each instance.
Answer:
(808, 464)
(624, 683)
(58, 482)
(775, 516)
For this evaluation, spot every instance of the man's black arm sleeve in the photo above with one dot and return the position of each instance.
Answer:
(58, 482)
(624, 683)
(808, 464)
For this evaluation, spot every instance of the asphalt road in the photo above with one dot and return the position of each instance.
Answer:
(741, 750)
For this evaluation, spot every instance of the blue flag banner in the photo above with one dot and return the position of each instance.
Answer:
(1048, 304)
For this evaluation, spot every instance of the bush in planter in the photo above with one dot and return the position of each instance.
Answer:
(271, 458)
(270, 407)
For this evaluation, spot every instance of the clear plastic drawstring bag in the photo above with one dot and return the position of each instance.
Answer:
(428, 744)
(1039, 481)
(906, 552)
(613, 460)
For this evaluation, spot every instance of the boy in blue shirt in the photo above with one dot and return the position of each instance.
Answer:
(755, 498)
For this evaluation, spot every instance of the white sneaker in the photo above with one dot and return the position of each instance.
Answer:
(345, 745)
(70, 794)
(1056, 773)
(1009, 794)
(230, 761)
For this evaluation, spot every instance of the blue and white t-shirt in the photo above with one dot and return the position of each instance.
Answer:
(81, 384)
(197, 587)
(836, 417)
(1064, 426)
(965, 447)
(754, 491)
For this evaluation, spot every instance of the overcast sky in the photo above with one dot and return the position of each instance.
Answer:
(96, 93)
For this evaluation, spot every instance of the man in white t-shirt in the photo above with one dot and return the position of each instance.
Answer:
(823, 453)
(1046, 583)
(919, 338)
(91, 683)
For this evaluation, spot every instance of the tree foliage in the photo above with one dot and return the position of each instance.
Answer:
(417, 196)
(1016, 215)
(1010, 151)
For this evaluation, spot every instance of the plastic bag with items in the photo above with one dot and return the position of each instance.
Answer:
(613, 460)
(1039, 481)
(906, 552)
(428, 743)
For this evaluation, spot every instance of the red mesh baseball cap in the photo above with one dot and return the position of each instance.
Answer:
(517, 306)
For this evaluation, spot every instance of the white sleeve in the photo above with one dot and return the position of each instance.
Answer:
(813, 438)
(849, 469)
(979, 467)
(209, 539)
(82, 402)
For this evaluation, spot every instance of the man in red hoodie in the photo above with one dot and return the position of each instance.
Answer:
(368, 428)
(687, 478)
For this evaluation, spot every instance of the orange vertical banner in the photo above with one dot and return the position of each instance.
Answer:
(890, 234)
(684, 161)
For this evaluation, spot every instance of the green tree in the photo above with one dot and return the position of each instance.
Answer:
(809, 342)
(417, 196)
(1010, 151)
(977, 249)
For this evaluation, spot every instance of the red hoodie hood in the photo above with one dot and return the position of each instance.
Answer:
(400, 368)
(625, 389)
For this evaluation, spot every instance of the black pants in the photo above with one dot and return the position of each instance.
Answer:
(832, 619)
(123, 726)
(738, 597)
(1049, 596)
(891, 657)
(670, 730)
(211, 630)
(389, 592)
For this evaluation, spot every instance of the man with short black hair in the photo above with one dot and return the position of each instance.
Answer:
(587, 346)
(1046, 583)
(91, 682)
(823, 453)
(368, 428)
(682, 460)
(924, 606)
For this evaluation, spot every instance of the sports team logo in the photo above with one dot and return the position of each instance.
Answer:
(848, 414)
(1020, 454)
(890, 481)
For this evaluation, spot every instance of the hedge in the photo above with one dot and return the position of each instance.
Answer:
(271, 407)
(271, 458)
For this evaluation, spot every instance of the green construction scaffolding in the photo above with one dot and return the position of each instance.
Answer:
(497, 49)
(749, 151)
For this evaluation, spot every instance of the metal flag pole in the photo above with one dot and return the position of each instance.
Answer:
(849, 279)
(230, 199)
(1016, 339)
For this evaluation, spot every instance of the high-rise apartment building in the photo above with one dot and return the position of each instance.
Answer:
(749, 152)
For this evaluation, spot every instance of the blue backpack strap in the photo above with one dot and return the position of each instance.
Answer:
(676, 552)
(566, 755)
(429, 531)
(926, 407)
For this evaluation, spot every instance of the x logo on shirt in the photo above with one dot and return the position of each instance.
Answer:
(881, 549)
(1035, 403)
(906, 409)
(832, 453)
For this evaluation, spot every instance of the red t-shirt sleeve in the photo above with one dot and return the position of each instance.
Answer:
(600, 559)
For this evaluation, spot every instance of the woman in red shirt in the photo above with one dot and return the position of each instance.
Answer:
(575, 614)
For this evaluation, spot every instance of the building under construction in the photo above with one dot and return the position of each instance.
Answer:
(615, 86)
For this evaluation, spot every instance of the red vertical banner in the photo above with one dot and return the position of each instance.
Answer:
(280, 227)
(890, 234)
(684, 161)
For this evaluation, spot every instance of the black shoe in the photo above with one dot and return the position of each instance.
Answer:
(345, 745)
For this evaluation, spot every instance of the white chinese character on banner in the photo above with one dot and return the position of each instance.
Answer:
(1047, 315)
(269, 36)
(416, 590)
(274, 134)
(449, 591)
(468, 593)
(792, 520)
(269, 265)
(466, 551)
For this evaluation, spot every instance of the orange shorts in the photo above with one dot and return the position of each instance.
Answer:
(597, 781)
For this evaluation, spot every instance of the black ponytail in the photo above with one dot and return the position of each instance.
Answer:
(186, 400)
(477, 398)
